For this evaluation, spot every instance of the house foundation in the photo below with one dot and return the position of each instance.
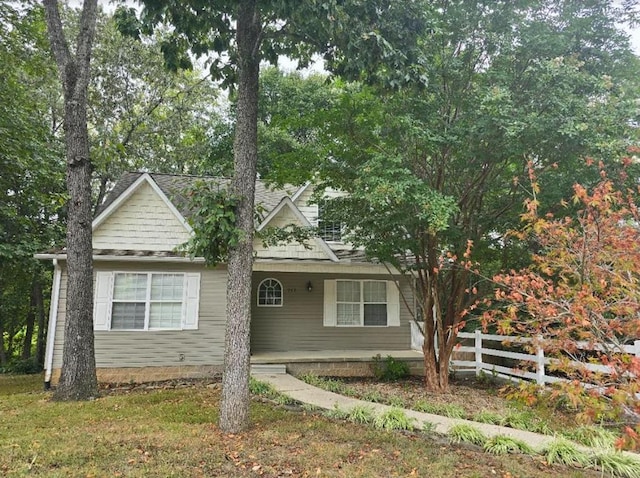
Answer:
(321, 363)
(148, 374)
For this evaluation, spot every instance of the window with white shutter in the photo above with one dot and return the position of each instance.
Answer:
(361, 303)
(146, 301)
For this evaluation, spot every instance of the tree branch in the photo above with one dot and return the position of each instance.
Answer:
(85, 42)
(59, 45)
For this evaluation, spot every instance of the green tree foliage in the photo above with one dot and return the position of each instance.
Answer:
(438, 166)
(140, 116)
(32, 179)
(288, 146)
(145, 117)
(213, 221)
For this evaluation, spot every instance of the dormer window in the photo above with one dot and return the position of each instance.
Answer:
(330, 231)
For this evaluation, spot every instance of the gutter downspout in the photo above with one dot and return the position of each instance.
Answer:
(51, 328)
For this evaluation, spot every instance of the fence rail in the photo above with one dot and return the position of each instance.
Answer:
(482, 347)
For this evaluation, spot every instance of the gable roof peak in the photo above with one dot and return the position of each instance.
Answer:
(174, 186)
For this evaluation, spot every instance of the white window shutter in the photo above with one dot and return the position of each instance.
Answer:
(191, 301)
(393, 304)
(329, 317)
(102, 300)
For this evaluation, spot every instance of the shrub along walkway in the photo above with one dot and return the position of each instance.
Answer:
(305, 393)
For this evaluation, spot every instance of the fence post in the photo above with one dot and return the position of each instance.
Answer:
(540, 363)
(478, 350)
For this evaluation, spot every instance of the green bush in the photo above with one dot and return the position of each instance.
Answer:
(22, 367)
(389, 369)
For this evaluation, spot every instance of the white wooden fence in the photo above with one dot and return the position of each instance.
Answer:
(482, 347)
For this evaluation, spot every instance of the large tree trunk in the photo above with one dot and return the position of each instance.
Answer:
(234, 407)
(78, 379)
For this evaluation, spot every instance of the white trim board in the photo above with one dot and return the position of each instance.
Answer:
(53, 321)
(299, 192)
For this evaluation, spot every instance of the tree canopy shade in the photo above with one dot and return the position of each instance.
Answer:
(439, 166)
(78, 378)
(31, 183)
(241, 34)
(365, 40)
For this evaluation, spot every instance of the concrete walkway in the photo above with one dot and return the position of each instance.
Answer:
(305, 393)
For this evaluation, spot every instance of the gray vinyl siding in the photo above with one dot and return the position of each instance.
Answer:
(297, 325)
(204, 346)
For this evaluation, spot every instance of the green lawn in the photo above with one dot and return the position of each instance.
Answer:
(173, 432)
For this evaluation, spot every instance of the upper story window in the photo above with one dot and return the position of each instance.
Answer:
(328, 230)
(270, 293)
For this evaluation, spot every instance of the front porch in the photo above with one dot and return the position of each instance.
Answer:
(336, 363)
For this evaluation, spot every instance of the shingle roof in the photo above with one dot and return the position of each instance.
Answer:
(175, 186)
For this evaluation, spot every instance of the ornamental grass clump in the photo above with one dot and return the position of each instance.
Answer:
(563, 452)
(616, 463)
(464, 433)
(256, 387)
(593, 436)
(450, 410)
(393, 419)
(488, 417)
(361, 414)
(502, 444)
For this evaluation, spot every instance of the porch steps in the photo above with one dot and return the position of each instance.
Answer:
(268, 368)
